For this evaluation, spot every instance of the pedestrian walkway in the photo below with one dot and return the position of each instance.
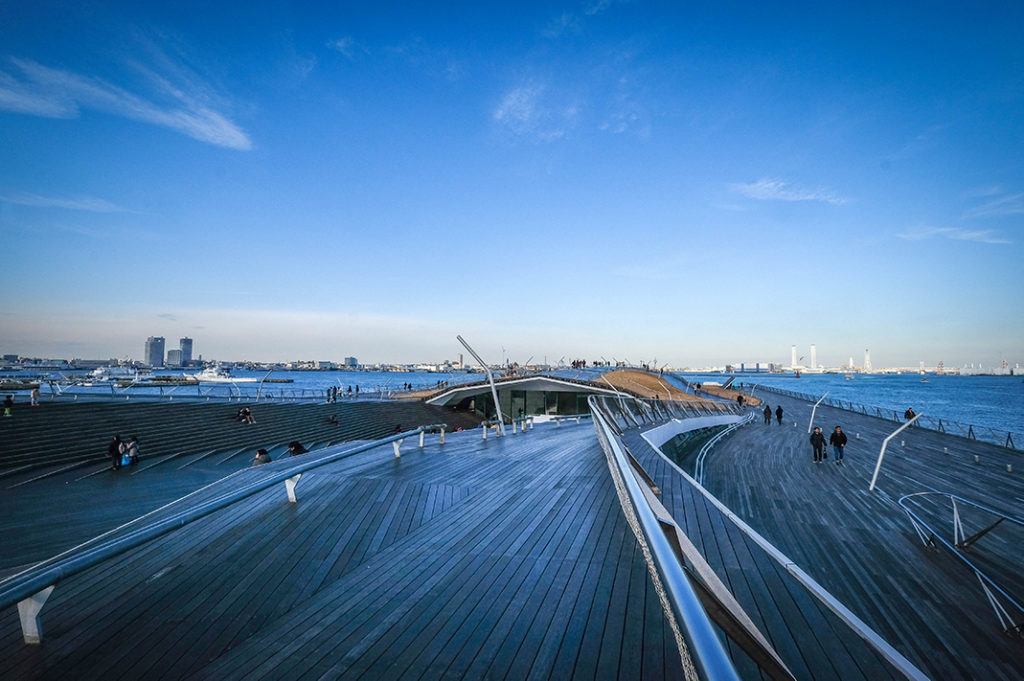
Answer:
(861, 546)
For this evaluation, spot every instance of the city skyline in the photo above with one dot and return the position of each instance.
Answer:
(796, 360)
(696, 184)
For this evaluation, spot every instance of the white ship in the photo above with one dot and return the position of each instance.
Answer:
(218, 374)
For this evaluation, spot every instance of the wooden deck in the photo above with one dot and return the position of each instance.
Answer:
(861, 546)
(510, 559)
(500, 559)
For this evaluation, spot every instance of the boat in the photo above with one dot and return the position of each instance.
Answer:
(119, 375)
(218, 374)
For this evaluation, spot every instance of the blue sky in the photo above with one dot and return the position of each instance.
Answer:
(695, 183)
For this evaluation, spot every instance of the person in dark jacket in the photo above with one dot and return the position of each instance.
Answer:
(818, 442)
(296, 448)
(767, 414)
(778, 414)
(114, 450)
(838, 441)
(262, 457)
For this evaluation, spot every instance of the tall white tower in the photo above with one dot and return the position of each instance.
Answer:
(814, 356)
(792, 360)
(867, 360)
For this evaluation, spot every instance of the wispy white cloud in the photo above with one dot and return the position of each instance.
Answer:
(996, 203)
(600, 6)
(39, 90)
(984, 236)
(86, 203)
(919, 143)
(564, 22)
(779, 190)
(571, 22)
(437, 62)
(529, 110)
(347, 46)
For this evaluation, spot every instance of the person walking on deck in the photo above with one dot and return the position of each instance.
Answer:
(767, 414)
(778, 414)
(818, 442)
(838, 441)
(8, 405)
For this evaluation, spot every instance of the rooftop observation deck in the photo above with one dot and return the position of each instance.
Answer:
(505, 558)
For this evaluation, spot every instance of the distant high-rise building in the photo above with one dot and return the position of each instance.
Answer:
(814, 356)
(186, 350)
(351, 362)
(867, 360)
(174, 358)
(154, 352)
(792, 361)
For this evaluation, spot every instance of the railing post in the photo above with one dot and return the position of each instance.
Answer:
(442, 435)
(885, 443)
(422, 433)
(811, 424)
(289, 487)
(28, 611)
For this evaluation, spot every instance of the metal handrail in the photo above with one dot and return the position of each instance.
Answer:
(43, 576)
(1003, 438)
(698, 469)
(986, 582)
(701, 638)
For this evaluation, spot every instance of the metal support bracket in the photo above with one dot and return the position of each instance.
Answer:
(28, 611)
(397, 444)
(289, 486)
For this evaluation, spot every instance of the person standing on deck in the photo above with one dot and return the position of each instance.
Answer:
(114, 451)
(818, 442)
(767, 414)
(132, 450)
(8, 405)
(778, 414)
(838, 441)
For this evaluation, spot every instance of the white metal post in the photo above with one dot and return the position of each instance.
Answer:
(810, 426)
(490, 377)
(28, 611)
(289, 486)
(878, 465)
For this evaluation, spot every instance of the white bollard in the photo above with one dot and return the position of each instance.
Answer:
(977, 459)
(422, 433)
(442, 436)
(945, 450)
(858, 436)
(484, 426)
(903, 443)
(1009, 468)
